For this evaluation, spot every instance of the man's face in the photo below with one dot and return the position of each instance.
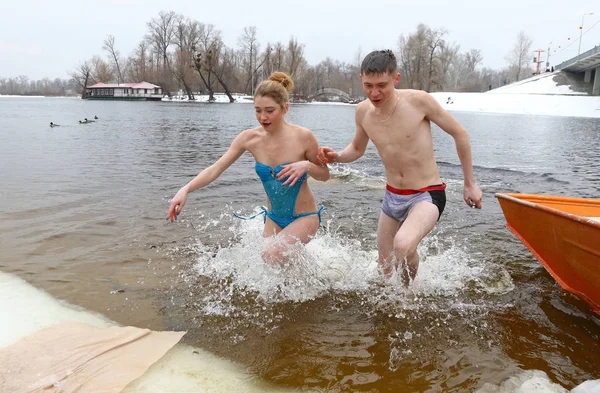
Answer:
(379, 87)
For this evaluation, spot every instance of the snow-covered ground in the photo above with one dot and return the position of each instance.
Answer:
(523, 103)
(539, 84)
(219, 98)
(538, 95)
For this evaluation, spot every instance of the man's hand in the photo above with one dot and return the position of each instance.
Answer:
(472, 196)
(327, 155)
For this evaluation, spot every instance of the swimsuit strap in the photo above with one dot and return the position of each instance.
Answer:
(264, 211)
(318, 212)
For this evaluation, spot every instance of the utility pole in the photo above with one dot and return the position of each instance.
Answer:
(539, 54)
(548, 57)
(581, 33)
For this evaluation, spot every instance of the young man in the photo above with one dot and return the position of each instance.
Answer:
(398, 123)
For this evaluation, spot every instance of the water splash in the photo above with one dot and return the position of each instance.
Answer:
(334, 263)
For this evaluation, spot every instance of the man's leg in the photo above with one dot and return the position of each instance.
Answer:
(386, 230)
(302, 230)
(420, 221)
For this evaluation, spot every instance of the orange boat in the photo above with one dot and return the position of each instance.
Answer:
(564, 235)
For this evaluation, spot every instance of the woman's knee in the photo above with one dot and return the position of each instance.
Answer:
(273, 255)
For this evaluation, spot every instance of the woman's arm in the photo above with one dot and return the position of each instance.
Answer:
(208, 175)
(316, 170)
(312, 165)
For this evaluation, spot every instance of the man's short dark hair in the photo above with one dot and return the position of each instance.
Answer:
(379, 62)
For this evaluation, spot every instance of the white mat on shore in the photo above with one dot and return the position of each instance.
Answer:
(76, 357)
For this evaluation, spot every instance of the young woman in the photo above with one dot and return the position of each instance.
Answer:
(285, 155)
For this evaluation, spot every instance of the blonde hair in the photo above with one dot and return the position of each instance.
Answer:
(276, 87)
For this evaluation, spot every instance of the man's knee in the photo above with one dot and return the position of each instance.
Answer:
(404, 247)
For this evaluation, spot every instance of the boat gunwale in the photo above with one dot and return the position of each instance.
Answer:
(564, 200)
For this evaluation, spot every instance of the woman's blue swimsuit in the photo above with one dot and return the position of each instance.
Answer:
(282, 198)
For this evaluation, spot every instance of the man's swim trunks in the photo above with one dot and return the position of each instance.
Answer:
(397, 203)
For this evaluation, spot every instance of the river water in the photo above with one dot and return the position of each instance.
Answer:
(83, 217)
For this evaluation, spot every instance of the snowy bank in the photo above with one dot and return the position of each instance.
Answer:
(548, 83)
(523, 104)
(218, 98)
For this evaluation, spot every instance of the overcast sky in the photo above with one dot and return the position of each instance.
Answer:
(49, 38)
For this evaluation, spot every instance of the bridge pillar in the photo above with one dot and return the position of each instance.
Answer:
(587, 77)
(596, 88)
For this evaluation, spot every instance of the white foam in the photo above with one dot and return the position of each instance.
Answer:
(25, 309)
(358, 178)
(333, 262)
(536, 381)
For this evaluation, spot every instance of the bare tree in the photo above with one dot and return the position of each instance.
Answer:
(520, 56)
(81, 75)
(355, 79)
(209, 41)
(186, 38)
(448, 54)
(249, 45)
(295, 53)
(140, 67)
(212, 61)
(278, 56)
(413, 54)
(101, 70)
(161, 31)
(201, 69)
(473, 58)
(435, 41)
(114, 56)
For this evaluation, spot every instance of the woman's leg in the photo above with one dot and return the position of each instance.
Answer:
(302, 230)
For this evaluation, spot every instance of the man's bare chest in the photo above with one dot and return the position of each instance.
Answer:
(400, 129)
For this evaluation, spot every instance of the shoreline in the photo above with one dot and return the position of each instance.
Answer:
(533, 104)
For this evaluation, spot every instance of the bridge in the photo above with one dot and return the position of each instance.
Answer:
(587, 63)
(331, 92)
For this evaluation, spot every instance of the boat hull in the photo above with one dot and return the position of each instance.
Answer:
(564, 235)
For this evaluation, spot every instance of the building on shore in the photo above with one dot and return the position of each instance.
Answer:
(143, 91)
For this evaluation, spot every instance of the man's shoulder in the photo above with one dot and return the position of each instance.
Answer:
(418, 99)
(363, 106)
(414, 95)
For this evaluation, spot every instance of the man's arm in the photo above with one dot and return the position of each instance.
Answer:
(315, 170)
(354, 150)
(435, 113)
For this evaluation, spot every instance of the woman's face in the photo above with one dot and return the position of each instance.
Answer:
(269, 113)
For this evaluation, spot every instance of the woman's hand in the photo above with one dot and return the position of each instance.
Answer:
(293, 172)
(177, 204)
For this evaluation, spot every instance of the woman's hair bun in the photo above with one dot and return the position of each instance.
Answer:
(283, 78)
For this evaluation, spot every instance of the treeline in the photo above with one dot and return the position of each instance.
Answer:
(21, 85)
(179, 53)
(428, 61)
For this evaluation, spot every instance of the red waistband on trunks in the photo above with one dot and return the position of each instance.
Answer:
(437, 187)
